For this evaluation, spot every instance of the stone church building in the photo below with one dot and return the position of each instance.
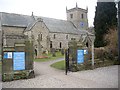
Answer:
(47, 33)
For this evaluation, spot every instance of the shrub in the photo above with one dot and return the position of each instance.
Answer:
(100, 53)
(112, 44)
(74, 68)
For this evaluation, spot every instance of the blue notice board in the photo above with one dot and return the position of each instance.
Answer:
(80, 56)
(19, 61)
(7, 55)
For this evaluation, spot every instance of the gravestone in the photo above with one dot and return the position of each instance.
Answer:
(62, 51)
(53, 51)
(17, 58)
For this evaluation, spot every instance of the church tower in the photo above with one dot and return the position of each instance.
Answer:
(78, 17)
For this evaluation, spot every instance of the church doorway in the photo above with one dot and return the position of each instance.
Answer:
(35, 52)
(87, 44)
(60, 45)
(50, 44)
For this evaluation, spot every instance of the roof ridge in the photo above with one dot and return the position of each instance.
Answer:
(77, 9)
(50, 18)
(13, 19)
(30, 25)
(34, 16)
(15, 14)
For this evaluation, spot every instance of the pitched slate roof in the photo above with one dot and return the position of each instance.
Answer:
(60, 26)
(10, 19)
(53, 25)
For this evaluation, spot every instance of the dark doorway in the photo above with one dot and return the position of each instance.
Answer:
(35, 52)
(87, 44)
(50, 44)
(60, 45)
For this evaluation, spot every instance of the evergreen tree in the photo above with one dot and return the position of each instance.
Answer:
(105, 18)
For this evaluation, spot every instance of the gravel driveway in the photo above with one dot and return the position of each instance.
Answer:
(48, 77)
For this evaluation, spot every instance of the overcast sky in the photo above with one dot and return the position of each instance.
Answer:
(47, 8)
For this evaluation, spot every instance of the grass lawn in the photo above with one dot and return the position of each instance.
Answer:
(50, 57)
(98, 63)
(59, 65)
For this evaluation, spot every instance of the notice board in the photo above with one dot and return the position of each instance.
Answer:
(7, 55)
(80, 56)
(18, 60)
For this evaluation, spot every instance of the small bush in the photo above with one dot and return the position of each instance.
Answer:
(112, 44)
(100, 53)
(74, 68)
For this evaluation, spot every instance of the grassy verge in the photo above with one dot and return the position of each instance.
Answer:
(50, 57)
(59, 65)
(86, 66)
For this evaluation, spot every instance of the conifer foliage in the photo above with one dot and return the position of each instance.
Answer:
(105, 18)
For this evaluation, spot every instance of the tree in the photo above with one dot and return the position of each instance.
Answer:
(105, 18)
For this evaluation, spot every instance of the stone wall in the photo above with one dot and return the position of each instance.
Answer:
(11, 31)
(47, 37)
(77, 18)
(40, 37)
(56, 38)
(41, 30)
(62, 38)
(0, 41)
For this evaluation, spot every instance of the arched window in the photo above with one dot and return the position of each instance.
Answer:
(40, 36)
(82, 16)
(54, 36)
(66, 36)
(71, 16)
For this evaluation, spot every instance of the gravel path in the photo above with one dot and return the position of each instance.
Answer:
(48, 77)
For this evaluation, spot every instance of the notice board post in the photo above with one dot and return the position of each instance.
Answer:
(78, 55)
(17, 59)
